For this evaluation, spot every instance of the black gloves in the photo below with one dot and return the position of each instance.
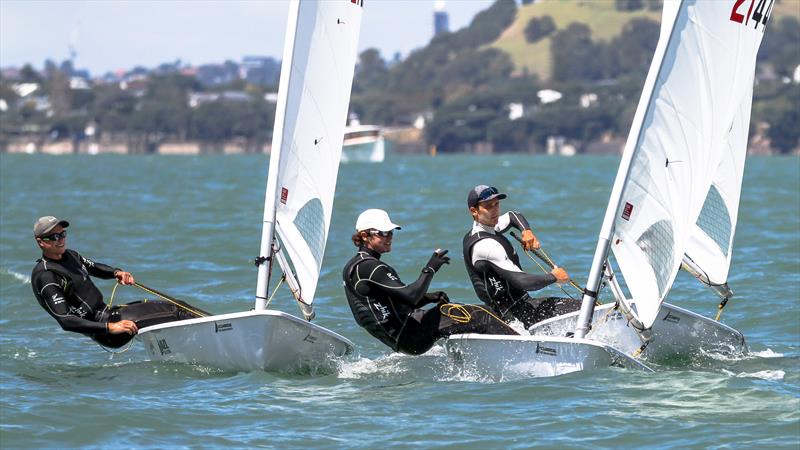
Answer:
(438, 259)
(437, 297)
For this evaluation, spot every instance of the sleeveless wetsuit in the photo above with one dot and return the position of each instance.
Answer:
(390, 310)
(494, 269)
(63, 288)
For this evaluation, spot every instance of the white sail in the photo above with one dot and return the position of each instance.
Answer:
(711, 243)
(698, 83)
(313, 97)
(316, 80)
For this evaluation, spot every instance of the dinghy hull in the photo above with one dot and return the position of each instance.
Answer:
(501, 357)
(253, 340)
(677, 333)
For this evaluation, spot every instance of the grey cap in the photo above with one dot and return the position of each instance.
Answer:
(45, 224)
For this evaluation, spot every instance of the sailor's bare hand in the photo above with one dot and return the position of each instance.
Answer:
(561, 275)
(124, 277)
(529, 241)
(123, 326)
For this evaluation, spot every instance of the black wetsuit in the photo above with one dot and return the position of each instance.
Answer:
(504, 289)
(390, 310)
(63, 288)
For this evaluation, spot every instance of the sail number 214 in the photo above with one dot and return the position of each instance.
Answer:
(763, 9)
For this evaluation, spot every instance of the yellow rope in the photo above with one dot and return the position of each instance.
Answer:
(148, 290)
(110, 302)
(549, 261)
(721, 307)
(463, 315)
(184, 307)
(552, 263)
(604, 318)
(274, 291)
(113, 291)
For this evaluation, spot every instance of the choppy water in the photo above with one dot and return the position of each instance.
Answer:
(190, 226)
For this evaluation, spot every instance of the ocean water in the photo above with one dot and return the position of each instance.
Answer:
(190, 226)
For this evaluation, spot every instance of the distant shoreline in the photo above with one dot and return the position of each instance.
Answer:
(405, 141)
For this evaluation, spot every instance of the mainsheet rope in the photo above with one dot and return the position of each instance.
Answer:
(541, 254)
(462, 315)
(149, 290)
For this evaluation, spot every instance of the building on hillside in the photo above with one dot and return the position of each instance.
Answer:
(216, 74)
(260, 70)
(198, 98)
(441, 21)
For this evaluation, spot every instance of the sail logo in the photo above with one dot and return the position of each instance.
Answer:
(222, 327)
(358, 2)
(671, 318)
(546, 350)
(163, 347)
(742, 14)
(627, 211)
(284, 195)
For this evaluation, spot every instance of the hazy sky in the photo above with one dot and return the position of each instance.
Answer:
(113, 34)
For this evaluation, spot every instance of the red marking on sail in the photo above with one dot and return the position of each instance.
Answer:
(284, 195)
(358, 2)
(750, 10)
(626, 212)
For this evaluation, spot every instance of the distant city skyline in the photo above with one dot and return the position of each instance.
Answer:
(113, 35)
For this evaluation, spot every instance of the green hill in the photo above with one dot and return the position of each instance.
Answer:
(600, 15)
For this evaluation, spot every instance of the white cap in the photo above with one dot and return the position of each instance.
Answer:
(376, 219)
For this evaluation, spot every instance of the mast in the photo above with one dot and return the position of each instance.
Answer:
(268, 229)
(623, 173)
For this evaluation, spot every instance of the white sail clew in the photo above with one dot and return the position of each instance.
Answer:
(711, 243)
(698, 84)
(310, 121)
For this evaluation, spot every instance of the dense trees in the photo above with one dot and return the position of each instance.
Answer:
(579, 58)
(451, 66)
(780, 108)
(538, 28)
(780, 46)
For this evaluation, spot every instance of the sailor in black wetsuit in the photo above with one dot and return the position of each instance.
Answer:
(493, 265)
(63, 288)
(390, 310)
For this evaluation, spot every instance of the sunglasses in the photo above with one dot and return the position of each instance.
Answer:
(55, 236)
(382, 233)
(486, 193)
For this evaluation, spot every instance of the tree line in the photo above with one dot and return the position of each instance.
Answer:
(461, 85)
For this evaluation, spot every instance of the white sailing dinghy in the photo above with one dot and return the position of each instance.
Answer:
(689, 129)
(679, 332)
(313, 98)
